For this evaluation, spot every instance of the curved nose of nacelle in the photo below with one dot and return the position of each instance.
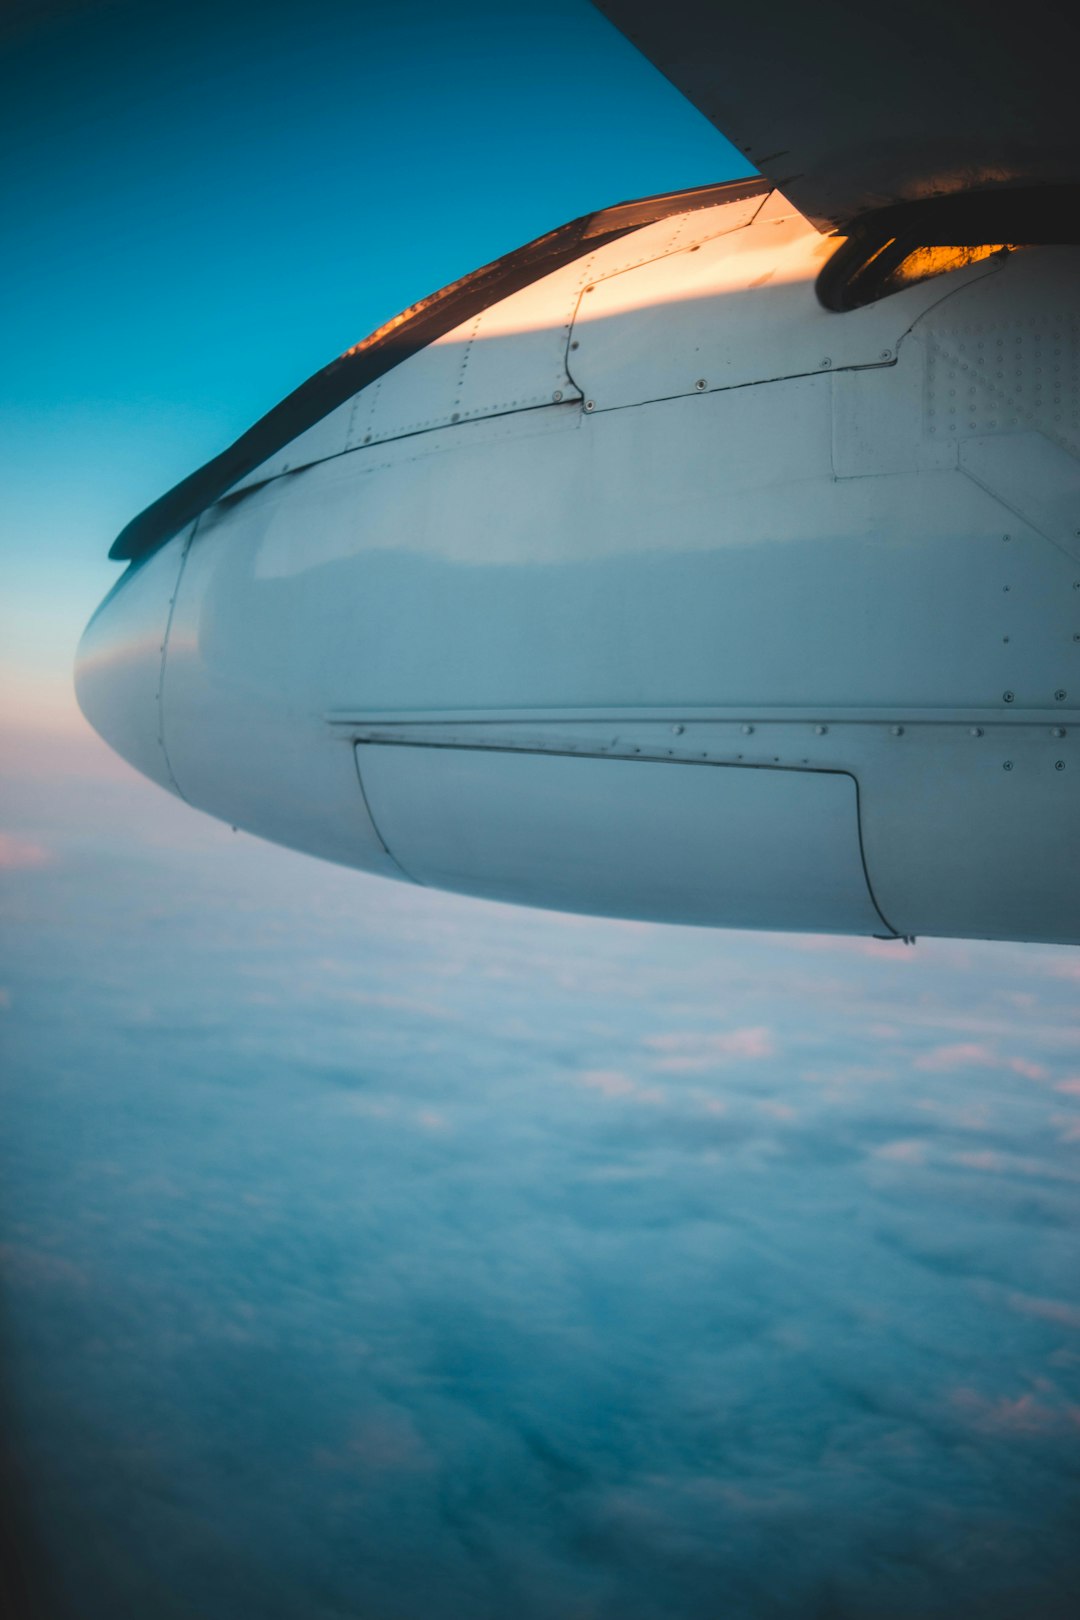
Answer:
(120, 661)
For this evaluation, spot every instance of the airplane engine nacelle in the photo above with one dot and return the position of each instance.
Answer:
(652, 588)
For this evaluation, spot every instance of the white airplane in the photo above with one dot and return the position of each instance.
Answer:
(713, 559)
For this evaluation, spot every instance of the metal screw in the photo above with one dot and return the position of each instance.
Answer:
(557, 395)
(821, 730)
(1006, 537)
(1061, 694)
(1057, 731)
(678, 730)
(1005, 587)
(1008, 696)
(700, 385)
(590, 404)
(575, 344)
(1059, 764)
(826, 361)
(747, 731)
(886, 354)
(897, 731)
(1007, 765)
(976, 731)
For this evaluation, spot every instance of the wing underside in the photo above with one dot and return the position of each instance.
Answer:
(848, 108)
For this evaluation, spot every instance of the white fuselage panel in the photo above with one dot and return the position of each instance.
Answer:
(658, 511)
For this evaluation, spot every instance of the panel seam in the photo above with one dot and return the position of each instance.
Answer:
(387, 851)
(164, 658)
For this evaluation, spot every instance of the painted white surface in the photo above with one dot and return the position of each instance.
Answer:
(734, 311)
(120, 659)
(820, 572)
(1005, 358)
(1032, 477)
(652, 839)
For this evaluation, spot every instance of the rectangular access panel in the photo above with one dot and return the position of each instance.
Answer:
(721, 845)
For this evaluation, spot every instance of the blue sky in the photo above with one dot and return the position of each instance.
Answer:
(365, 1250)
(209, 202)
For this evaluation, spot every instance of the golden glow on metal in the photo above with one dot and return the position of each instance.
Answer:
(923, 262)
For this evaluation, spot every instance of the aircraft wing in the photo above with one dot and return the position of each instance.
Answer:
(848, 107)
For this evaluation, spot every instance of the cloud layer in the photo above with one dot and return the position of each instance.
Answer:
(376, 1252)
